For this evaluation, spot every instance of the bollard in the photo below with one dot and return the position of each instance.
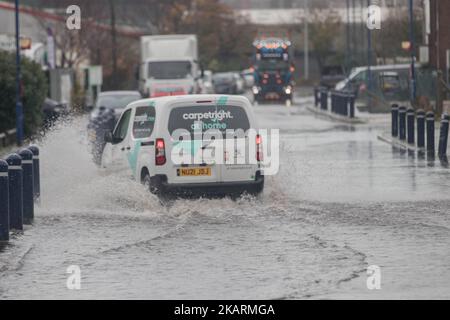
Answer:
(36, 173)
(402, 122)
(443, 136)
(351, 111)
(15, 191)
(316, 98)
(394, 121)
(420, 116)
(410, 125)
(27, 185)
(430, 131)
(333, 101)
(4, 201)
(324, 100)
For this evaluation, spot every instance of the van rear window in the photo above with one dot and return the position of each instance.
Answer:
(208, 117)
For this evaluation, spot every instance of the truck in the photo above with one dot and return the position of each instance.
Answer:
(169, 65)
(273, 70)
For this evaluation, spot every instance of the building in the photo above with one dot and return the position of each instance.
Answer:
(437, 34)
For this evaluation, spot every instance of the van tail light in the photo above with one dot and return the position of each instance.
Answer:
(160, 152)
(259, 153)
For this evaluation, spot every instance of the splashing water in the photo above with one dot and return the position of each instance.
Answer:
(70, 181)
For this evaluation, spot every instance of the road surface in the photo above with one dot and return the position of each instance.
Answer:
(342, 201)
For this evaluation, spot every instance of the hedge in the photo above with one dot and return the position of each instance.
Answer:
(34, 91)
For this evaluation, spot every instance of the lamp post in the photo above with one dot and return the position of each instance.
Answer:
(413, 50)
(369, 61)
(306, 38)
(19, 107)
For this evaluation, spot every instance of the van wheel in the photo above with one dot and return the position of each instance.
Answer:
(147, 182)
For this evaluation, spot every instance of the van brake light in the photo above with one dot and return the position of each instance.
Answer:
(259, 154)
(160, 152)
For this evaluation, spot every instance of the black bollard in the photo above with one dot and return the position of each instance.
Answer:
(4, 201)
(443, 136)
(27, 185)
(351, 112)
(410, 125)
(333, 101)
(430, 131)
(36, 173)
(402, 122)
(15, 191)
(394, 113)
(324, 99)
(316, 98)
(420, 116)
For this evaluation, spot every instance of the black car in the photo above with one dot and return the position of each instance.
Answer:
(115, 101)
(108, 109)
(331, 75)
(225, 83)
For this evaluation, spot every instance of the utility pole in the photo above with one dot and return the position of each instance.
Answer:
(361, 57)
(354, 39)
(306, 39)
(413, 50)
(19, 106)
(347, 56)
(369, 60)
(113, 43)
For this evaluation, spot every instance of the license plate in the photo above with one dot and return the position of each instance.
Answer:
(193, 172)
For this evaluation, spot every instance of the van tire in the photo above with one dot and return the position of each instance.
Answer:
(149, 183)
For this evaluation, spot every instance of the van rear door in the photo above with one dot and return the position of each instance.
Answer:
(191, 157)
(239, 144)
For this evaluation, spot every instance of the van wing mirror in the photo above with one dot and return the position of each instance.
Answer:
(109, 137)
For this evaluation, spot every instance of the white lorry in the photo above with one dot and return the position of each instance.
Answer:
(169, 65)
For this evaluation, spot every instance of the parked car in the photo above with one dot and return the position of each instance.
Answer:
(115, 100)
(108, 108)
(146, 143)
(225, 83)
(330, 75)
(388, 83)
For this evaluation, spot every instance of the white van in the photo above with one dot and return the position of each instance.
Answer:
(157, 141)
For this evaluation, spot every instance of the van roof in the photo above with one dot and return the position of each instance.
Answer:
(192, 98)
(385, 67)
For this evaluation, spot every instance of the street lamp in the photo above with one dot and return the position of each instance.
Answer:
(19, 107)
(369, 61)
(412, 48)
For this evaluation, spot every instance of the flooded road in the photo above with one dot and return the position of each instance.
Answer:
(342, 201)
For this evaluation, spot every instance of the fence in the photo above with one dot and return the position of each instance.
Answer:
(19, 190)
(418, 128)
(341, 102)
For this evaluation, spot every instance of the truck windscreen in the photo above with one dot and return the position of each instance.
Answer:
(272, 64)
(169, 69)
